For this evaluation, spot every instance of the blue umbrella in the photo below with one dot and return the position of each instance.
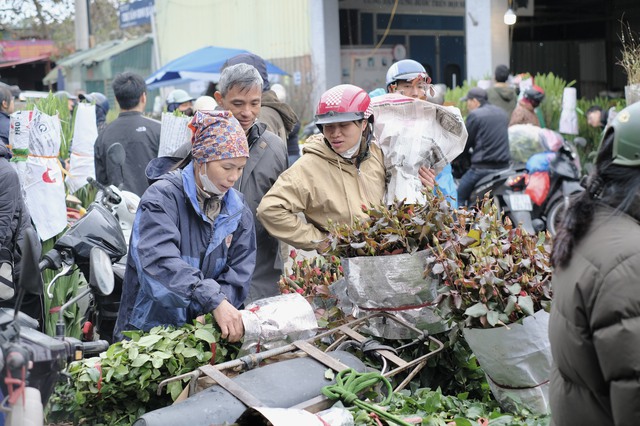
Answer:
(202, 64)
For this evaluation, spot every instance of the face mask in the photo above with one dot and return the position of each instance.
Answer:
(351, 151)
(207, 185)
(188, 112)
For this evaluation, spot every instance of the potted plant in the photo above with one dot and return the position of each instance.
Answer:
(496, 287)
(630, 61)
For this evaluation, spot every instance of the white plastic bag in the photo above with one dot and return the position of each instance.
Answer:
(173, 133)
(517, 362)
(85, 133)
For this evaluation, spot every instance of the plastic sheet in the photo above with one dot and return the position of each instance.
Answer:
(517, 362)
(414, 133)
(173, 133)
(277, 321)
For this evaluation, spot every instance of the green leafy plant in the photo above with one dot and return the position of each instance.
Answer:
(551, 106)
(497, 277)
(396, 229)
(455, 370)
(452, 96)
(121, 384)
(433, 408)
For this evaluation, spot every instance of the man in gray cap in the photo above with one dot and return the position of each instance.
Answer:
(487, 144)
(278, 116)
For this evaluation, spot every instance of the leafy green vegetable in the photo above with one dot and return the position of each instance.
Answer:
(120, 385)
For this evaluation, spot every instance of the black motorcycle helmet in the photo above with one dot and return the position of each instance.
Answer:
(535, 95)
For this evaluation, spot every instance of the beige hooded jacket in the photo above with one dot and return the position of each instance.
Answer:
(323, 186)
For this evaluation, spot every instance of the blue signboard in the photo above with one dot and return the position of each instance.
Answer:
(136, 13)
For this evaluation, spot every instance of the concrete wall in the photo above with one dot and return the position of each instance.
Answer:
(487, 37)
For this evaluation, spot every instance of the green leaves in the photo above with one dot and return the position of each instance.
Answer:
(129, 372)
(498, 280)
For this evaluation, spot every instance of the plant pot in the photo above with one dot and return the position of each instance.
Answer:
(517, 362)
(632, 93)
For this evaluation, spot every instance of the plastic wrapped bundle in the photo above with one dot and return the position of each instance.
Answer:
(524, 141)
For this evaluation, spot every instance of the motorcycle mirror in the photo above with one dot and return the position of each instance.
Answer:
(116, 157)
(580, 141)
(101, 274)
(30, 279)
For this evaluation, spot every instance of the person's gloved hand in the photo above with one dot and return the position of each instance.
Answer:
(229, 320)
(427, 177)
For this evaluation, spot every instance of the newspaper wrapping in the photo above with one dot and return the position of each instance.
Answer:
(173, 133)
(85, 133)
(517, 362)
(44, 186)
(414, 133)
(276, 321)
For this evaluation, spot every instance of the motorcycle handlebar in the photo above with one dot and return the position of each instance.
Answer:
(94, 348)
(113, 197)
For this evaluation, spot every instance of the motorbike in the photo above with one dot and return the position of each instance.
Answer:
(30, 361)
(102, 312)
(507, 187)
(564, 182)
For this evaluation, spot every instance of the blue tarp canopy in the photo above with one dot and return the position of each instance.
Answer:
(203, 64)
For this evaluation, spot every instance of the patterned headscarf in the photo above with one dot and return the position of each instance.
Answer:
(217, 135)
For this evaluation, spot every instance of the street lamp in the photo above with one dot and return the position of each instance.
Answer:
(510, 17)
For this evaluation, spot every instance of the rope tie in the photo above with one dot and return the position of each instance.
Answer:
(349, 383)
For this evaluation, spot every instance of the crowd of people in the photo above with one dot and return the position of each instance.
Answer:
(214, 216)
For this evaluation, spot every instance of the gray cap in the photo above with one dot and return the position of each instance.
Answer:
(476, 93)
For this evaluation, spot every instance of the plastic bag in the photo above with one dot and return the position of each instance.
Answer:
(173, 133)
(550, 139)
(540, 162)
(524, 141)
(538, 187)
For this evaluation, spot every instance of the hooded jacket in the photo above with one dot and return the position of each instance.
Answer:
(180, 265)
(503, 96)
(267, 160)
(594, 329)
(524, 113)
(278, 116)
(323, 186)
(14, 220)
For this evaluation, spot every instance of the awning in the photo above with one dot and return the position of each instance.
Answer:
(24, 61)
(203, 64)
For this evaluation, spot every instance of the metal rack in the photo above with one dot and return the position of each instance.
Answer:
(311, 347)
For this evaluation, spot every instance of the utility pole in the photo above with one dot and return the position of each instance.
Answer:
(82, 24)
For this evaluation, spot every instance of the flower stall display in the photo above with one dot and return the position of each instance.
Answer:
(497, 286)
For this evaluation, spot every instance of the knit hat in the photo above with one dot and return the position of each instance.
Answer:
(217, 135)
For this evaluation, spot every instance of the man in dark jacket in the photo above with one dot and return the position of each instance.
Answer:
(277, 115)
(14, 219)
(6, 108)
(240, 91)
(139, 135)
(488, 142)
(501, 94)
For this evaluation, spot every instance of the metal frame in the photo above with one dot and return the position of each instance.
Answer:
(348, 331)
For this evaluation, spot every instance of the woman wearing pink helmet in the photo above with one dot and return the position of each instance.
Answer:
(341, 171)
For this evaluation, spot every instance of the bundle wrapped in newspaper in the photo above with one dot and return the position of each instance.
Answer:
(414, 133)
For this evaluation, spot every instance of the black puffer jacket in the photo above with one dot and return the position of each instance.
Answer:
(14, 218)
(594, 328)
